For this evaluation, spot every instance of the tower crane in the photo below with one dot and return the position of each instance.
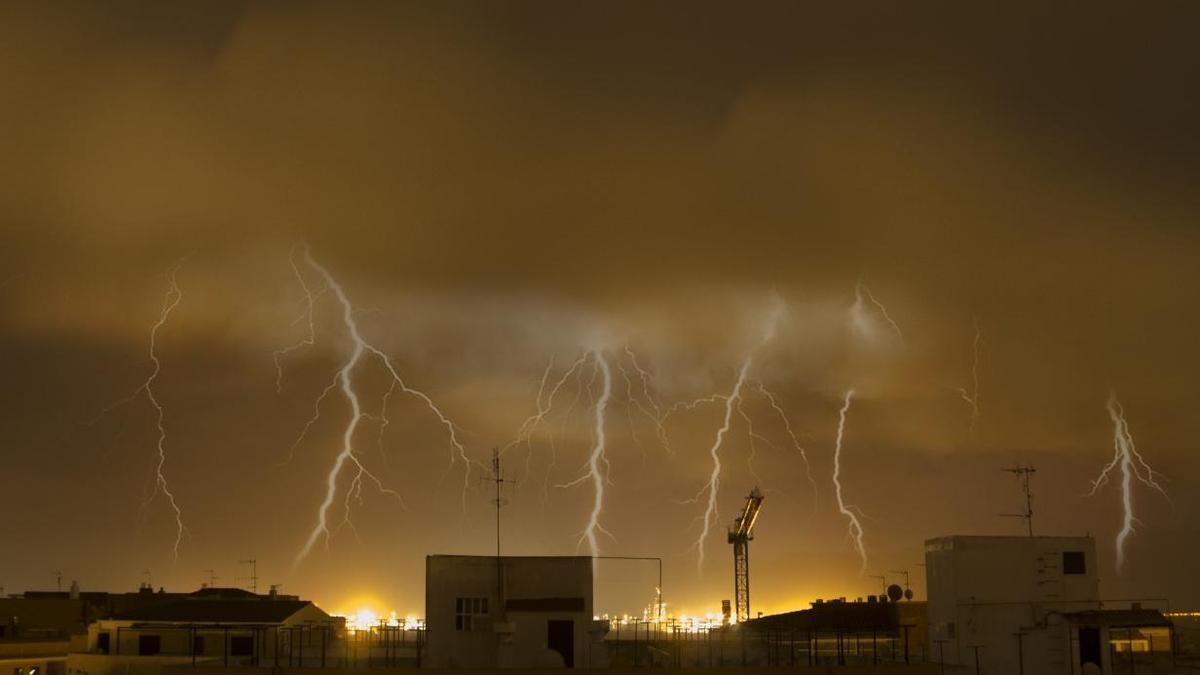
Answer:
(740, 534)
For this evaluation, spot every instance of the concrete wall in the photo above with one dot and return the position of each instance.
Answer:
(517, 638)
(985, 590)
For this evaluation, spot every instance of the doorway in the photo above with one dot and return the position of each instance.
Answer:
(560, 636)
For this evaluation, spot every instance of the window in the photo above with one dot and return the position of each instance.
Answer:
(198, 644)
(149, 645)
(241, 646)
(1074, 562)
(469, 613)
(102, 644)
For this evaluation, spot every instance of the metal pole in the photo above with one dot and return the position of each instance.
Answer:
(906, 643)
(1020, 653)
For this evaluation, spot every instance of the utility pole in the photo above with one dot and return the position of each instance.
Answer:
(212, 578)
(1024, 473)
(58, 579)
(253, 578)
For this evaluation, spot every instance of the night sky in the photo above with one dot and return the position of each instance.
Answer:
(495, 185)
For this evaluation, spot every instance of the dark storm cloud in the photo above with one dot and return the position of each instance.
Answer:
(500, 182)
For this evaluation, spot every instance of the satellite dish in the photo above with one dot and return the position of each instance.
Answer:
(894, 593)
(908, 594)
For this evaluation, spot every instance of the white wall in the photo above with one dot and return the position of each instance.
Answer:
(984, 590)
(451, 577)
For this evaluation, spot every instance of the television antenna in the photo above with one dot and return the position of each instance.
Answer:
(1024, 474)
(253, 578)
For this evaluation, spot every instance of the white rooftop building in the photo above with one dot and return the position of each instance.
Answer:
(1032, 605)
(510, 612)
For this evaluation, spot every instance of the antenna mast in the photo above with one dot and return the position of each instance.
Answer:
(253, 578)
(1024, 473)
(498, 501)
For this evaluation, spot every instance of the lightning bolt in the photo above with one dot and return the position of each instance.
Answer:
(972, 397)
(1132, 466)
(787, 427)
(860, 317)
(595, 470)
(849, 511)
(732, 402)
(170, 301)
(343, 380)
(596, 365)
(652, 408)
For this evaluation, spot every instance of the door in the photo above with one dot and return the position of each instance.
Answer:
(1089, 647)
(560, 636)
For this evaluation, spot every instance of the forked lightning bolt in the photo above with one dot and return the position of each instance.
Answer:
(847, 510)
(344, 380)
(1133, 466)
(593, 365)
(170, 301)
(713, 487)
(597, 474)
(732, 402)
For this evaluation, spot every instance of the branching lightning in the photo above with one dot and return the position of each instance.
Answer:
(343, 380)
(732, 402)
(1132, 466)
(170, 301)
(595, 473)
(787, 426)
(847, 510)
(593, 372)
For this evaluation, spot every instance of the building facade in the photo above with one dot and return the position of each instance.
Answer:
(213, 627)
(1032, 605)
(510, 612)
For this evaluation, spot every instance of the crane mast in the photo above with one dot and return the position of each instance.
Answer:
(740, 534)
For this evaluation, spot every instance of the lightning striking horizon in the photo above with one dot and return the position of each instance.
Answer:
(847, 510)
(1132, 466)
(343, 380)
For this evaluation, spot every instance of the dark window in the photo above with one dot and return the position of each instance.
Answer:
(1074, 562)
(102, 644)
(149, 645)
(469, 613)
(198, 644)
(241, 646)
(2, 629)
